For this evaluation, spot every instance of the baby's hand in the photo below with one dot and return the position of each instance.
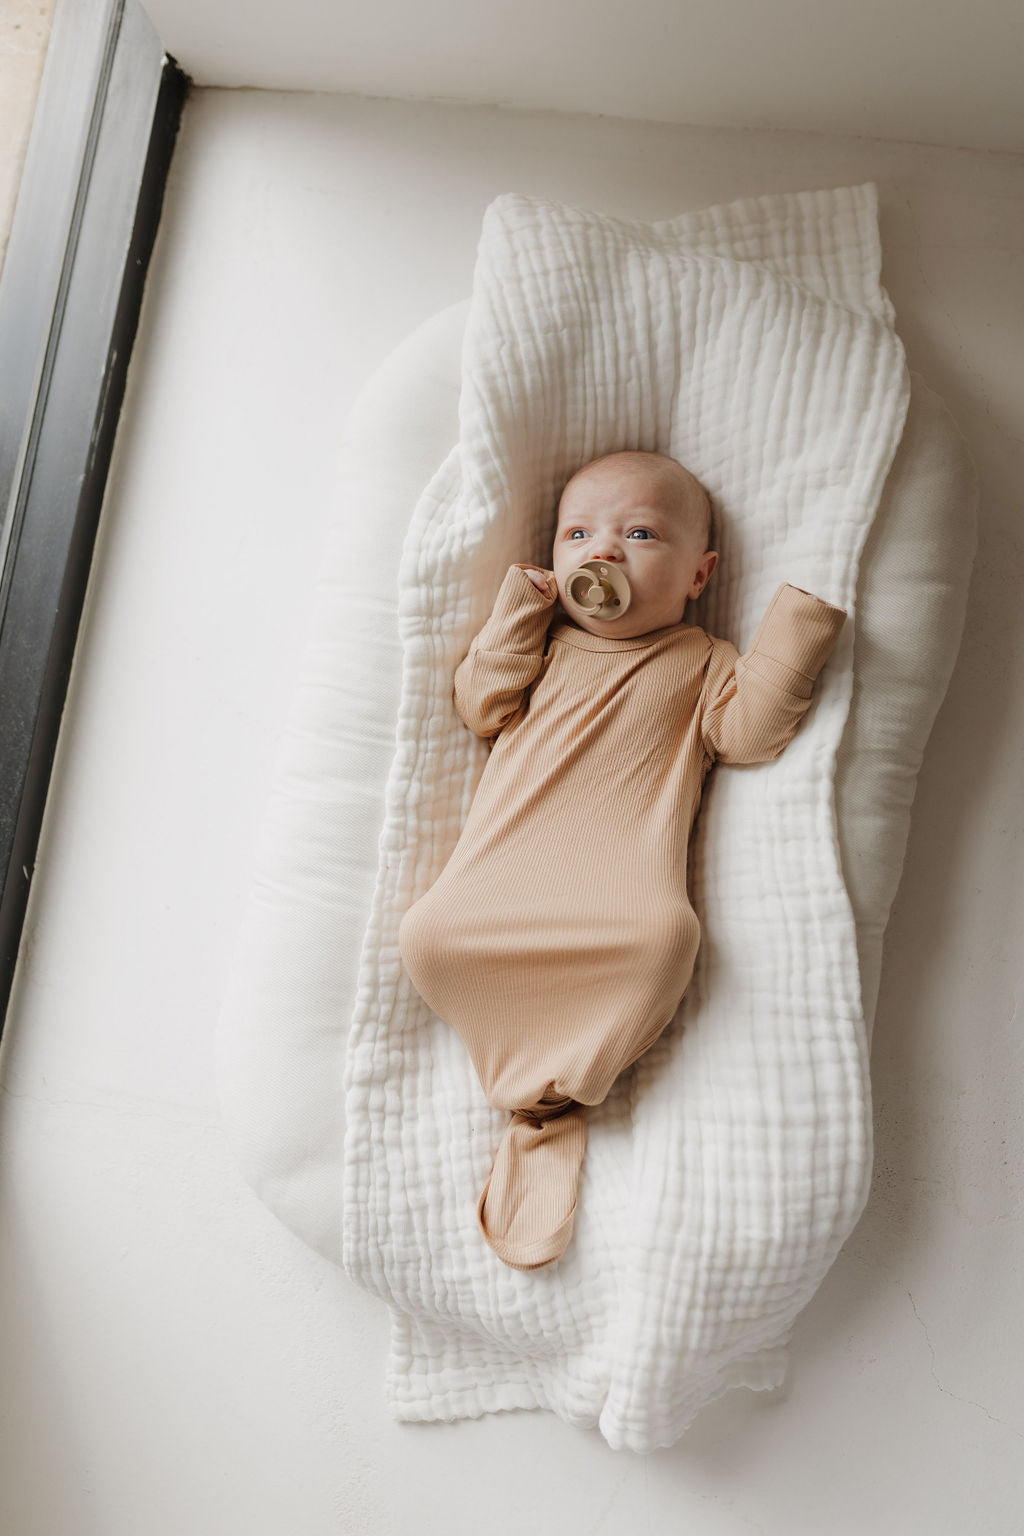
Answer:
(543, 582)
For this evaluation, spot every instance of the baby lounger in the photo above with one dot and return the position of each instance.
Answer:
(285, 1018)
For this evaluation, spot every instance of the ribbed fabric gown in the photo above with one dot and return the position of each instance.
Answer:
(559, 938)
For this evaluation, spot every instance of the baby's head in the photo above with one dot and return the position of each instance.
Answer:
(646, 514)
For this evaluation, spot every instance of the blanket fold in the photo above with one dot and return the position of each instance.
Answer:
(724, 1170)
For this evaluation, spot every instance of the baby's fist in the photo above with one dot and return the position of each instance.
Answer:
(543, 583)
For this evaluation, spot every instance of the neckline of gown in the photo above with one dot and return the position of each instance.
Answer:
(572, 634)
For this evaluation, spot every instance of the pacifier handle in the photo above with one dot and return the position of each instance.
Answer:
(599, 593)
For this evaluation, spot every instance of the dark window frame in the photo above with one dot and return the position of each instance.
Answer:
(88, 207)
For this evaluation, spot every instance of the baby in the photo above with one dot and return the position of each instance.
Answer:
(559, 938)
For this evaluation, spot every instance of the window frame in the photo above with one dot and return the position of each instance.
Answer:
(88, 208)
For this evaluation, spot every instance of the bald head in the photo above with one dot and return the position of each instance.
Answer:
(676, 487)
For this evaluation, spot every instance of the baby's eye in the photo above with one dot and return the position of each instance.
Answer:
(646, 531)
(574, 532)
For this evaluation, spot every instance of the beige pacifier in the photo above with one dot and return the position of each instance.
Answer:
(598, 590)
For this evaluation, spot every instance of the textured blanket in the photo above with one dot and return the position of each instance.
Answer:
(753, 342)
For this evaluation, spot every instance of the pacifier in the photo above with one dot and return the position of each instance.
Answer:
(598, 590)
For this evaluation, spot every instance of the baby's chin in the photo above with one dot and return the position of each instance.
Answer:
(628, 627)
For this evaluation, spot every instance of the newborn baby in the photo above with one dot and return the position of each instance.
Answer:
(559, 938)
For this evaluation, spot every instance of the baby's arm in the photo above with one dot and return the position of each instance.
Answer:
(753, 703)
(506, 656)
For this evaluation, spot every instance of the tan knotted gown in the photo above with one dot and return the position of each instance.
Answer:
(559, 938)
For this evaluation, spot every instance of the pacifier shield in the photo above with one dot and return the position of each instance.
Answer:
(599, 590)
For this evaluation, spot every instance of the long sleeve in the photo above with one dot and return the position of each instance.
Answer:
(753, 703)
(505, 657)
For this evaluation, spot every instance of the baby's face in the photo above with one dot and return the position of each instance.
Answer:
(646, 522)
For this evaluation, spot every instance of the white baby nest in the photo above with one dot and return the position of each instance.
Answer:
(284, 1022)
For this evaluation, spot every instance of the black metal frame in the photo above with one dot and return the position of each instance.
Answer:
(88, 207)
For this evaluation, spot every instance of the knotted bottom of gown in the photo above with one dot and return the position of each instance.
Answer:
(527, 1209)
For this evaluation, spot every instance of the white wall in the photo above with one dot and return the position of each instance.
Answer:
(24, 37)
(174, 1360)
(898, 69)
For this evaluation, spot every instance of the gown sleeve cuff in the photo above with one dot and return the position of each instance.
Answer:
(795, 639)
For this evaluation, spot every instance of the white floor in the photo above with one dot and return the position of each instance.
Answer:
(176, 1362)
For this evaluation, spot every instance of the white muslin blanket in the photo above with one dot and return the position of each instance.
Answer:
(753, 342)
